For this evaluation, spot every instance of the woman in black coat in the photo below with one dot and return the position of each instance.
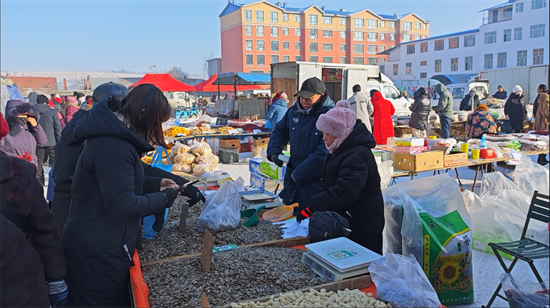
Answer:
(420, 113)
(351, 180)
(110, 194)
(470, 101)
(515, 109)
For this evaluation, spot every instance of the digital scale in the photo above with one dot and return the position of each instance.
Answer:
(338, 258)
(254, 199)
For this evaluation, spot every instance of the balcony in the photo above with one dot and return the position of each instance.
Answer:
(497, 15)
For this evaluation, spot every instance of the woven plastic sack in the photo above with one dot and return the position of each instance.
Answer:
(222, 210)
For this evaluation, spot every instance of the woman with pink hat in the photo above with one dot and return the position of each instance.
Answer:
(351, 180)
(71, 108)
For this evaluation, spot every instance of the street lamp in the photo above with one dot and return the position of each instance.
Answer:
(154, 68)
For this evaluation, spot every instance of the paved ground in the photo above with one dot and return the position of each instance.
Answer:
(486, 267)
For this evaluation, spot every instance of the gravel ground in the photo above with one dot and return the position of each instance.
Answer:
(236, 275)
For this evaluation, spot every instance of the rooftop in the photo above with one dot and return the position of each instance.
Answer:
(510, 2)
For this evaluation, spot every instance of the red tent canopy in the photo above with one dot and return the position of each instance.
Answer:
(208, 86)
(165, 83)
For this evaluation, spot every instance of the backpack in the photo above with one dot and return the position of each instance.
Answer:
(327, 225)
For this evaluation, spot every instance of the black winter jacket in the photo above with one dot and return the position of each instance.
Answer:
(109, 195)
(50, 124)
(465, 104)
(420, 110)
(352, 188)
(515, 109)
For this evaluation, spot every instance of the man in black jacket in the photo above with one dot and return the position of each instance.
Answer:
(470, 101)
(52, 127)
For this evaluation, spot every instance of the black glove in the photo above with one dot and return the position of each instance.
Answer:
(170, 196)
(58, 292)
(275, 159)
(194, 193)
(304, 214)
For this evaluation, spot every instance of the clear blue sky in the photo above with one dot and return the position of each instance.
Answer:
(101, 35)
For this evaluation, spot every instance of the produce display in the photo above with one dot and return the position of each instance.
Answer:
(176, 130)
(236, 275)
(197, 159)
(314, 298)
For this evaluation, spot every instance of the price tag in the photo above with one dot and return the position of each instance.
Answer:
(232, 131)
(257, 131)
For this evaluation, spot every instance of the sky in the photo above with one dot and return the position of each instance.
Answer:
(111, 35)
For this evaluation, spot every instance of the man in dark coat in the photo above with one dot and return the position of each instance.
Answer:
(515, 109)
(351, 180)
(470, 101)
(52, 127)
(307, 149)
(500, 93)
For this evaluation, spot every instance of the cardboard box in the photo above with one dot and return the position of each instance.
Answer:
(254, 165)
(455, 158)
(261, 142)
(409, 150)
(487, 154)
(419, 162)
(230, 143)
(257, 181)
(273, 171)
(403, 131)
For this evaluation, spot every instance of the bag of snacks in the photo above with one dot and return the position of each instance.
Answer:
(210, 159)
(201, 149)
(182, 168)
(186, 159)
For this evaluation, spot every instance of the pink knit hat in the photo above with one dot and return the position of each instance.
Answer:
(71, 99)
(339, 122)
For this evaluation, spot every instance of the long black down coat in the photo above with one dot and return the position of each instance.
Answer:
(109, 195)
(515, 109)
(352, 188)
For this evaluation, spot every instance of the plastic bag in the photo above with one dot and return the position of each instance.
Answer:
(182, 168)
(506, 127)
(222, 210)
(210, 159)
(158, 162)
(185, 159)
(524, 295)
(201, 149)
(385, 169)
(400, 281)
(428, 219)
(530, 176)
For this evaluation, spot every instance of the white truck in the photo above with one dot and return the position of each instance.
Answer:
(179, 99)
(528, 77)
(459, 90)
(339, 80)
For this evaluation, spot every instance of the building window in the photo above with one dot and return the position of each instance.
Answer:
(358, 60)
(260, 45)
(327, 33)
(297, 32)
(423, 63)
(372, 49)
(358, 23)
(438, 66)
(327, 46)
(285, 31)
(327, 59)
(286, 58)
(286, 45)
(382, 48)
(382, 24)
(247, 16)
(424, 75)
(382, 69)
(313, 47)
(538, 56)
(439, 45)
(454, 64)
(248, 45)
(417, 25)
(468, 63)
(358, 36)
(274, 59)
(260, 60)
(454, 42)
(488, 63)
(274, 31)
(342, 47)
(372, 61)
(391, 46)
(358, 48)
(507, 13)
(249, 59)
(522, 58)
(259, 15)
(519, 7)
(392, 24)
(297, 45)
(274, 45)
(313, 33)
(382, 36)
(313, 59)
(507, 35)
(297, 19)
(407, 26)
(424, 47)
(417, 36)
(313, 19)
(343, 34)
(538, 4)
(372, 36)
(490, 37)
(327, 20)
(298, 58)
(395, 69)
(423, 26)
(410, 49)
(408, 68)
(392, 37)
(407, 37)
(343, 60)
(274, 16)
(537, 30)
(285, 18)
(469, 40)
(248, 30)
(501, 59)
(517, 34)
(342, 21)
(259, 30)
(372, 23)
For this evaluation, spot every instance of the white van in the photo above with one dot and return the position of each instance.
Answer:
(179, 99)
(459, 90)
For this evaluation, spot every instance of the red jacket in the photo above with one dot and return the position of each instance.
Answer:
(383, 124)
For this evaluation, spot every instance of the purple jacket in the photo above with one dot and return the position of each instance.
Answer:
(22, 138)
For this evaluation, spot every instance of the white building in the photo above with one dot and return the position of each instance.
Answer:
(512, 34)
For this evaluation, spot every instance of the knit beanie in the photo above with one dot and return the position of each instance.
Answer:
(339, 122)
(57, 100)
(4, 128)
(72, 100)
(42, 99)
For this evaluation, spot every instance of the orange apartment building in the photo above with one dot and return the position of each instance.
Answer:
(257, 34)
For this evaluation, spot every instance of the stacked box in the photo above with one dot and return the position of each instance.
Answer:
(273, 171)
(254, 165)
(257, 181)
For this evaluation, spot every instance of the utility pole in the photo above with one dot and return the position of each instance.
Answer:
(154, 68)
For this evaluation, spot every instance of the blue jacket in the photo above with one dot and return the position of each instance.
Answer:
(276, 112)
(303, 177)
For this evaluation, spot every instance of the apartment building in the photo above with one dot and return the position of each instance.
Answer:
(257, 34)
(512, 34)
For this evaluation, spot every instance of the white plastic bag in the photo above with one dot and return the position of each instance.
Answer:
(530, 176)
(385, 169)
(400, 281)
(222, 210)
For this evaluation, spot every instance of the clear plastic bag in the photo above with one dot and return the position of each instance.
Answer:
(385, 169)
(400, 281)
(222, 210)
(201, 149)
(525, 295)
(530, 176)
